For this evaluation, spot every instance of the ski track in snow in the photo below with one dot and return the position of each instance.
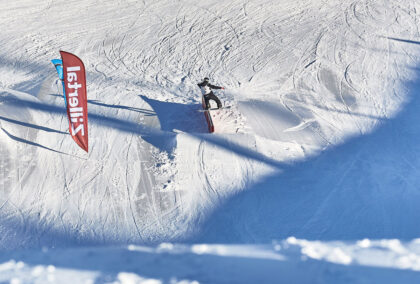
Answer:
(303, 78)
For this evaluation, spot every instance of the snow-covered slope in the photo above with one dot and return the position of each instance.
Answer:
(321, 141)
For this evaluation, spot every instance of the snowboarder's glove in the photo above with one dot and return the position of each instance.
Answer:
(223, 88)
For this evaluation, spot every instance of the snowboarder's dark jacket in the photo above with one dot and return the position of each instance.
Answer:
(207, 87)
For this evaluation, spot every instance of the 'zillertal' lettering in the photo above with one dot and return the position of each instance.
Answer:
(76, 112)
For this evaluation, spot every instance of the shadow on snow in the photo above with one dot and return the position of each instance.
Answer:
(150, 263)
(365, 188)
(38, 127)
(177, 116)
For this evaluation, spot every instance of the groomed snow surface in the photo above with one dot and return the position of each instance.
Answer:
(312, 174)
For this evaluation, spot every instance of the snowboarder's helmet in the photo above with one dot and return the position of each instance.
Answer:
(206, 79)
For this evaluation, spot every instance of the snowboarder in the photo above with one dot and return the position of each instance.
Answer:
(206, 87)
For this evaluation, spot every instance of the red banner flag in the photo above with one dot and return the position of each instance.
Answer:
(76, 96)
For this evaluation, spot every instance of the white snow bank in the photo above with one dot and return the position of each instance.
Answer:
(291, 260)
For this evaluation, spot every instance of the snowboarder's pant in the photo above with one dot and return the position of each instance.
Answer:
(212, 96)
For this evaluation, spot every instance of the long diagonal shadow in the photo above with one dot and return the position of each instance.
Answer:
(239, 150)
(101, 104)
(139, 110)
(18, 139)
(404, 40)
(31, 125)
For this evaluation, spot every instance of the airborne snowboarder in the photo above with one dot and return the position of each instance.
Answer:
(206, 90)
